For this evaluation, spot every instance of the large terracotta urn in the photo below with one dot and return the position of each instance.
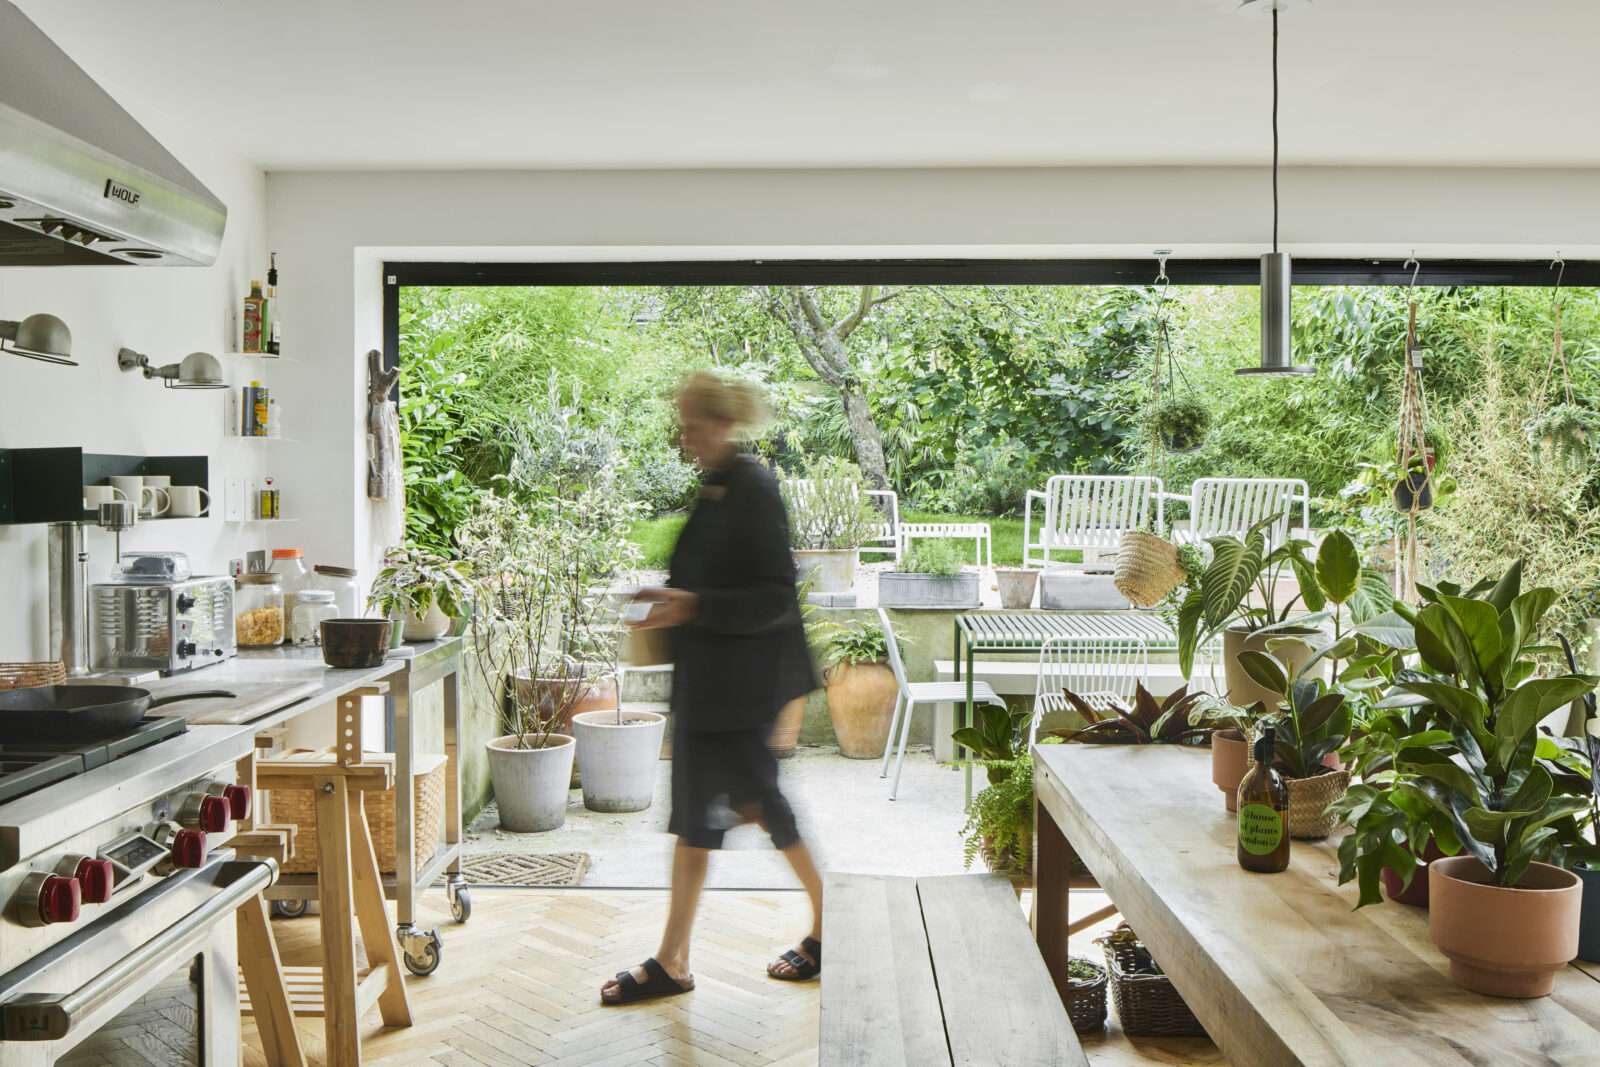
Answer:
(861, 698)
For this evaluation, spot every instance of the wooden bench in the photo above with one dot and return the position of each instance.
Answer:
(923, 971)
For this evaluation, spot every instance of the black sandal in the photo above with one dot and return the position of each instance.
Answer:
(804, 969)
(657, 983)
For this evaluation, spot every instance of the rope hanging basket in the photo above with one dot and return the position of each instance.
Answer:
(1148, 568)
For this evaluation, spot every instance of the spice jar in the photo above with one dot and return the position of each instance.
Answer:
(259, 619)
(311, 607)
(341, 582)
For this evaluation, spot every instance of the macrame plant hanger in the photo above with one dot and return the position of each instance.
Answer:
(1163, 346)
(1411, 447)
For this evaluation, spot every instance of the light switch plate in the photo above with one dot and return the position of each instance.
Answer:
(233, 500)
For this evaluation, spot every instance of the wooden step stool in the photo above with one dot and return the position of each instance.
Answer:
(349, 885)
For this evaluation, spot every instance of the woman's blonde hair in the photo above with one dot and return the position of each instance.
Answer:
(731, 400)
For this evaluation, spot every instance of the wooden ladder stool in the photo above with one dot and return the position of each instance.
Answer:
(349, 885)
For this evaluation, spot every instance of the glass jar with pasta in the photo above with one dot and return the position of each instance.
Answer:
(259, 621)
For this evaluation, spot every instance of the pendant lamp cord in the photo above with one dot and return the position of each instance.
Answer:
(1274, 127)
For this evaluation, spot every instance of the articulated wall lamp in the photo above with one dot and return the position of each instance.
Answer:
(1277, 318)
(41, 337)
(198, 370)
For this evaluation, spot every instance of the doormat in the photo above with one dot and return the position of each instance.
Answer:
(524, 868)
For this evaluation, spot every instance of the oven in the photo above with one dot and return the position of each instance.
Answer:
(153, 978)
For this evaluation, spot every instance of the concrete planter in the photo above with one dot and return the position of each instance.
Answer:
(618, 760)
(1016, 586)
(901, 589)
(1073, 591)
(531, 784)
(834, 568)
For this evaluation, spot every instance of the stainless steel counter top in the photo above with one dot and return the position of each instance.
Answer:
(284, 666)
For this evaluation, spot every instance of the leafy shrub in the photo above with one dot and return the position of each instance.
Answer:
(939, 557)
(827, 509)
(991, 479)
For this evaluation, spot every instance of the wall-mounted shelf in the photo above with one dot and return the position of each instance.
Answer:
(263, 522)
(42, 485)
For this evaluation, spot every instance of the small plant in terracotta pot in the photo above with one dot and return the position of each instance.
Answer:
(1233, 730)
(1507, 919)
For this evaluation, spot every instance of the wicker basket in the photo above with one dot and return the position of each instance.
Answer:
(299, 807)
(1147, 568)
(1147, 1004)
(28, 675)
(1086, 1002)
(1308, 797)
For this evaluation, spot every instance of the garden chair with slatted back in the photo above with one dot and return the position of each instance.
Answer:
(1102, 672)
(913, 693)
(1088, 513)
(1230, 506)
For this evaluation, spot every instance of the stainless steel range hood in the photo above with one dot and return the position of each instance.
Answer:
(81, 182)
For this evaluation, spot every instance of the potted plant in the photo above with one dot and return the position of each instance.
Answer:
(931, 577)
(422, 591)
(999, 824)
(1233, 731)
(1578, 766)
(829, 518)
(1151, 720)
(1312, 724)
(862, 690)
(1507, 920)
(1181, 422)
(1566, 434)
(994, 738)
(1086, 994)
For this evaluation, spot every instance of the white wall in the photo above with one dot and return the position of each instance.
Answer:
(333, 230)
(165, 312)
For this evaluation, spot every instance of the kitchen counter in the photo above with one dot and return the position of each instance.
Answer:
(288, 667)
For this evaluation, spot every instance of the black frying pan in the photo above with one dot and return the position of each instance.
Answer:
(80, 711)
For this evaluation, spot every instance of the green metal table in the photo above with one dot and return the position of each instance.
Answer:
(1025, 633)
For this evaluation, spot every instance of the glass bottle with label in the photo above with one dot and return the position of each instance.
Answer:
(1264, 812)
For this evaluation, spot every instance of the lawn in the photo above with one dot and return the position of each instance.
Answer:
(656, 536)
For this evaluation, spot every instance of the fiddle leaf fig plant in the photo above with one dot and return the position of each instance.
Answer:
(1479, 679)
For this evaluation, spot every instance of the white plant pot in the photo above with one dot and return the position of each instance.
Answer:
(430, 627)
(531, 784)
(835, 568)
(618, 763)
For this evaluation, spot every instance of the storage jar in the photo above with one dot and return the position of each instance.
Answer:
(259, 618)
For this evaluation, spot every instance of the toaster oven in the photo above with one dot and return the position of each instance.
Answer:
(169, 626)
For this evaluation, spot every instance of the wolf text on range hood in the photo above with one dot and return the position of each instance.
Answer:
(81, 182)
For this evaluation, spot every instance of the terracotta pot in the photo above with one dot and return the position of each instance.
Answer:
(1308, 797)
(1504, 942)
(1416, 894)
(1242, 689)
(786, 730)
(1230, 756)
(861, 700)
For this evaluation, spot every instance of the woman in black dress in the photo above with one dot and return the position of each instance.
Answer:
(739, 654)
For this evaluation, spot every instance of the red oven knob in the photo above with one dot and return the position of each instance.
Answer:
(189, 848)
(59, 900)
(206, 811)
(238, 801)
(96, 878)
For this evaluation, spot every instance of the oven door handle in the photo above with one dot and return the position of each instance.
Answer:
(51, 1017)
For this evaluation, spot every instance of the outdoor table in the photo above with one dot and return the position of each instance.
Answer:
(1278, 967)
(1025, 632)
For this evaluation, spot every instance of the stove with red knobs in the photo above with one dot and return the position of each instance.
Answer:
(115, 879)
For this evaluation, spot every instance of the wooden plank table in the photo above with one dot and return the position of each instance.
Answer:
(1278, 968)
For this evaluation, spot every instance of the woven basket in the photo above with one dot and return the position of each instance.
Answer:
(1147, 568)
(1147, 1004)
(1086, 1002)
(1308, 797)
(299, 807)
(29, 675)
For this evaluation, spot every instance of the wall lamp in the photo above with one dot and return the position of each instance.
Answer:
(41, 337)
(198, 370)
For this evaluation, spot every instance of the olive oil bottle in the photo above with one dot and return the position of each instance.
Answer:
(1264, 812)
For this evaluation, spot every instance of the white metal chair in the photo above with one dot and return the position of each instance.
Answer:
(1089, 513)
(1100, 672)
(913, 693)
(1230, 506)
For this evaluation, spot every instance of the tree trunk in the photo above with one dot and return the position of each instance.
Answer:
(864, 435)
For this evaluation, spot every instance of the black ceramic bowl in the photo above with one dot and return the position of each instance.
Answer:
(355, 642)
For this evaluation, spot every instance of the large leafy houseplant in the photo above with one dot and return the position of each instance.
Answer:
(414, 579)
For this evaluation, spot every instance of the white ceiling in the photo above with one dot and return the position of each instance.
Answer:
(311, 84)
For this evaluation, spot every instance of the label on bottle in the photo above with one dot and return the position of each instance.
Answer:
(1260, 829)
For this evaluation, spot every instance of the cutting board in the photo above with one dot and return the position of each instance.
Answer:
(250, 700)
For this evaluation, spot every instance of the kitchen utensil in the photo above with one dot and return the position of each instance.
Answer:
(355, 642)
(78, 711)
(138, 622)
(95, 495)
(189, 501)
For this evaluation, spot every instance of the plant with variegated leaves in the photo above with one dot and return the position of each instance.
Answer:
(1151, 721)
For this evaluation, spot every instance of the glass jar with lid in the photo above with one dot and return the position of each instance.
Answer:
(311, 607)
(341, 582)
(258, 611)
(290, 566)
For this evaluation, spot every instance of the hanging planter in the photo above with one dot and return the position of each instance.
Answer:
(1566, 434)
(1414, 492)
(1181, 422)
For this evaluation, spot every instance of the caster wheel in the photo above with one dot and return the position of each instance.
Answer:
(461, 904)
(426, 961)
(288, 909)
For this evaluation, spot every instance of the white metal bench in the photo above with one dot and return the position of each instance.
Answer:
(1088, 513)
(976, 532)
(1230, 506)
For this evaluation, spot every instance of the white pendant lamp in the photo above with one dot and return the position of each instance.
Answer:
(1277, 269)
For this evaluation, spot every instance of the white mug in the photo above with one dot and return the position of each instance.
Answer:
(95, 495)
(189, 501)
(158, 481)
(152, 500)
